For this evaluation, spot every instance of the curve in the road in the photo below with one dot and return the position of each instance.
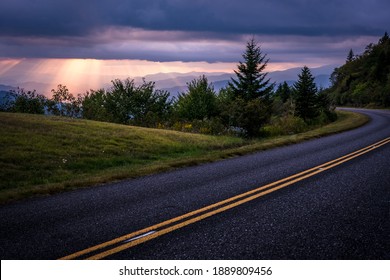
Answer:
(133, 239)
(341, 213)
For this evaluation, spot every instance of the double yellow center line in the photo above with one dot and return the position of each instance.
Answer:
(135, 238)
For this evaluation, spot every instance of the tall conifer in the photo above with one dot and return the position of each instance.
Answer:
(306, 95)
(252, 82)
(351, 56)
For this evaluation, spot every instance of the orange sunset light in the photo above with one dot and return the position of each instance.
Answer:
(80, 75)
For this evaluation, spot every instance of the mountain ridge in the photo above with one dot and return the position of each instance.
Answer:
(175, 82)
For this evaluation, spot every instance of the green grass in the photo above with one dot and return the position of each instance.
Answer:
(41, 155)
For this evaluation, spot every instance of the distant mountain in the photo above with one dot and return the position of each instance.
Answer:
(3, 94)
(170, 79)
(321, 75)
(179, 76)
(177, 82)
(41, 88)
(176, 85)
(4, 97)
(180, 84)
(5, 88)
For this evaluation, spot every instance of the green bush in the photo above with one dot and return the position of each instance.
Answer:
(127, 103)
(207, 126)
(28, 102)
(199, 102)
(284, 126)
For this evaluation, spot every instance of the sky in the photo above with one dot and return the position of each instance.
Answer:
(86, 43)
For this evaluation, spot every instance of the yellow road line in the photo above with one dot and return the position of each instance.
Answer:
(279, 184)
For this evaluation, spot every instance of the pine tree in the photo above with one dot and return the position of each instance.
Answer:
(384, 39)
(252, 82)
(306, 95)
(367, 79)
(283, 91)
(351, 56)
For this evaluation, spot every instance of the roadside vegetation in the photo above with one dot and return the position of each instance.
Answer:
(48, 145)
(364, 80)
(42, 155)
(244, 108)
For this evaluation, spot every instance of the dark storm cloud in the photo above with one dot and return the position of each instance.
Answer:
(122, 29)
(293, 17)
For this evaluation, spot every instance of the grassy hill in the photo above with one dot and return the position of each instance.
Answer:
(45, 154)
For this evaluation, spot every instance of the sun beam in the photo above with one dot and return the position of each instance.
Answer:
(7, 64)
(80, 75)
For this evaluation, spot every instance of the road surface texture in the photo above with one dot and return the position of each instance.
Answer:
(340, 213)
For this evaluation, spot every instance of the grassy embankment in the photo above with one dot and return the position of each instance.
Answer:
(41, 155)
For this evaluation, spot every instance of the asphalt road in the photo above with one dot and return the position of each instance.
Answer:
(339, 213)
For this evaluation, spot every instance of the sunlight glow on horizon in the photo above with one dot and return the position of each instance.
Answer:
(80, 75)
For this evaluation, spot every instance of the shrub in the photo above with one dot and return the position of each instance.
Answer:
(28, 102)
(284, 126)
(199, 102)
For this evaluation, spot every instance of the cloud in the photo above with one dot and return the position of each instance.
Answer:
(175, 30)
(183, 46)
(283, 17)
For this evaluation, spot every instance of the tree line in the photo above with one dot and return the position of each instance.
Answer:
(364, 80)
(250, 105)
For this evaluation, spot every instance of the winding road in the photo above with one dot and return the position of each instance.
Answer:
(327, 198)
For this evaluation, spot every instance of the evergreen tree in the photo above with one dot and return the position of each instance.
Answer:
(350, 56)
(384, 39)
(366, 80)
(283, 92)
(252, 82)
(306, 95)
